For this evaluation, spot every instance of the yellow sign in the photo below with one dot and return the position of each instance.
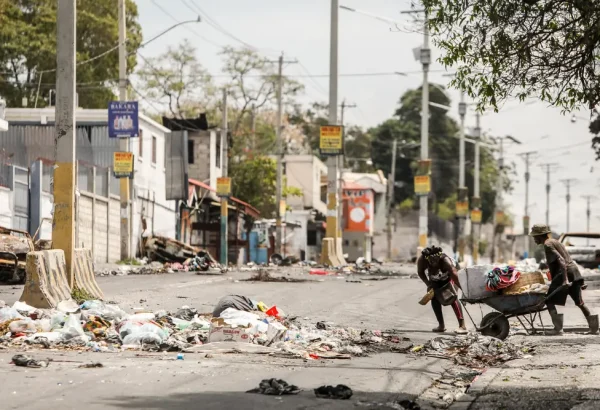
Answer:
(422, 184)
(282, 208)
(476, 216)
(224, 186)
(462, 209)
(331, 140)
(499, 218)
(423, 240)
(123, 164)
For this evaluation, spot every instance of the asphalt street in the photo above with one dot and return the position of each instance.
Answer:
(158, 381)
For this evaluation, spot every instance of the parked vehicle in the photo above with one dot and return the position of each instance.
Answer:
(584, 247)
(14, 247)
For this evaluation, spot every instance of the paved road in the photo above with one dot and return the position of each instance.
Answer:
(160, 382)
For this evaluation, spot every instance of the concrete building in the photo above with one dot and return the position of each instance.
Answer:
(30, 144)
(308, 211)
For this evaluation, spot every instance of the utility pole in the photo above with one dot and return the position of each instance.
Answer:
(476, 225)
(391, 182)
(332, 231)
(526, 156)
(280, 156)
(63, 226)
(425, 163)
(568, 183)
(341, 164)
(124, 142)
(462, 204)
(253, 128)
(588, 213)
(224, 259)
(550, 167)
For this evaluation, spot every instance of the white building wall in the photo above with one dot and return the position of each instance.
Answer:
(6, 207)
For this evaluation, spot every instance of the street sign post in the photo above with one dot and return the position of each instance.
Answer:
(123, 119)
(462, 209)
(123, 164)
(476, 216)
(422, 184)
(224, 186)
(331, 140)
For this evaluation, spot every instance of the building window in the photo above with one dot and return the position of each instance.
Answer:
(190, 151)
(141, 145)
(153, 149)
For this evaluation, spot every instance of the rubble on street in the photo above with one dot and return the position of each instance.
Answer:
(474, 350)
(104, 327)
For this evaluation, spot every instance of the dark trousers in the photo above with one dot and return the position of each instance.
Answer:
(437, 306)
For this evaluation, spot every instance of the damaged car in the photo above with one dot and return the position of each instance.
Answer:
(14, 247)
(584, 247)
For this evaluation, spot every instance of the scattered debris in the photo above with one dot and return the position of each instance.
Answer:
(26, 361)
(14, 247)
(264, 276)
(91, 365)
(339, 392)
(474, 350)
(275, 387)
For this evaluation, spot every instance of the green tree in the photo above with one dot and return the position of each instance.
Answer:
(547, 49)
(357, 148)
(28, 51)
(443, 147)
(254, 181)
(177, 81)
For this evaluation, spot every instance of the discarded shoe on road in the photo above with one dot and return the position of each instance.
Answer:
(339, 392)
(275, 387)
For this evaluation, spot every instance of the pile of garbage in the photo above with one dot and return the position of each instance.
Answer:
(104, 327)
(474, 350)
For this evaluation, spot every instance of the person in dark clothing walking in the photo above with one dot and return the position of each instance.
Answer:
(563, 271)
(438, 271)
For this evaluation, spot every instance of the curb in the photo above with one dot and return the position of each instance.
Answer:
(480, 383)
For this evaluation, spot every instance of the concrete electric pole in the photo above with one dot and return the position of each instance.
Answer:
(63, 226)
(568, 183)
(476, 223)
(588, 213)
(526, 156)
(332, 230)
(549, 167)
(224, 257)
(391, 182)
(125, 189)
(462, 204)
(280, 156)
(341, 162)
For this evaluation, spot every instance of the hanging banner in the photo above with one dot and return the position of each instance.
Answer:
(224, 186)
(422, 184)
(123, 164)
(123, 121)
(331, 140)
(476, 216)
(462, 209)
(282, 208)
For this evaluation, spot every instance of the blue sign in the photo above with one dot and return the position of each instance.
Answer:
(123, 121)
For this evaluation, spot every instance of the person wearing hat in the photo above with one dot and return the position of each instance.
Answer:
(438, 271)
(563, 271)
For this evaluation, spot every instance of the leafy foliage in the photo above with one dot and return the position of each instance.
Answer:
(254, 181)
(28, 51)
(542, 48)
(406, 128)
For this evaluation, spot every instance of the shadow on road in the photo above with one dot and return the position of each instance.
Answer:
(239, 400)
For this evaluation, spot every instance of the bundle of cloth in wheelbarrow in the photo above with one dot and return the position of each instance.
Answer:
(501, 278)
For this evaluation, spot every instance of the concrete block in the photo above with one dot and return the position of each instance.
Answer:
(46, 283)
(83, 274)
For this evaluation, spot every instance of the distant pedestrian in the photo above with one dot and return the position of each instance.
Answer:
(563, 272)
(438, 271)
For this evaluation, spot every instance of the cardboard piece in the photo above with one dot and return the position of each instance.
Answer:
(221, 331)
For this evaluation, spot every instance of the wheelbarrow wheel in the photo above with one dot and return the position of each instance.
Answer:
(498, 325)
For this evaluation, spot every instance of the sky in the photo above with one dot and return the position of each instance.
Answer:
(300, 29)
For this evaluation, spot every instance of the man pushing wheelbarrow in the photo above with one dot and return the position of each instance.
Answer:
(563, 273)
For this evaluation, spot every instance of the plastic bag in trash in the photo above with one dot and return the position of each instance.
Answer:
(22, 326)
(23, 307)
(8, 313)
(99, 308)
(236, 317)
(134, 332)
(57, 321)
(73, 328)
